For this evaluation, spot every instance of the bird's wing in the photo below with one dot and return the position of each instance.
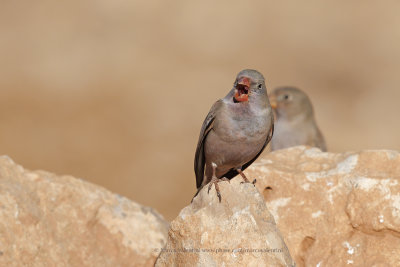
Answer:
(199, 159)
(232, 173)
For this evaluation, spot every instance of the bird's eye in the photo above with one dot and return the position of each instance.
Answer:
(286, 97)
(260, 86)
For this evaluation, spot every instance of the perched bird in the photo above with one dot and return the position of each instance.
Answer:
(234, 133)
(295, 123)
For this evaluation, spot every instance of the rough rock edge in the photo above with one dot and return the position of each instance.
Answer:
(355, 195)
(241, 220)
(38, 203)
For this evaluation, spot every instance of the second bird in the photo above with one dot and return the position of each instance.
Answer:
(235, 132)
(295, 123)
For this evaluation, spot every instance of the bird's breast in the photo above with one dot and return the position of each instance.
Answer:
(243, 125)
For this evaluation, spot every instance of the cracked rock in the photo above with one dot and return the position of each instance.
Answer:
(239, 231)
(49, 220)
(334, 209)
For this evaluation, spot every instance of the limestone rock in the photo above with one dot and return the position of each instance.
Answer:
(334, 209)
(49, 220)
(239, 231)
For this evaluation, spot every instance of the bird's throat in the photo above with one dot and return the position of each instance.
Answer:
(241, 97)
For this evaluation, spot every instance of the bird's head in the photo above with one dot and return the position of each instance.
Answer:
(248, 83)
(289, 102)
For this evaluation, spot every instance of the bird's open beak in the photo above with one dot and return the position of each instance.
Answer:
(272, 101)
(242, 89)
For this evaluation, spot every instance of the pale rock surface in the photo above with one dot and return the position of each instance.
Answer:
(239, 231)
(334, 209)
(49, 220)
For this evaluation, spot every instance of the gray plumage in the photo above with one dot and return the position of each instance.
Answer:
(295, 123)
(235, 131)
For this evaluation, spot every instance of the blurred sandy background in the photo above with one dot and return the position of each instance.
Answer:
(115, 92)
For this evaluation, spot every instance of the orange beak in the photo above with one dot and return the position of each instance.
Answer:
(272, 101)
(242, 90)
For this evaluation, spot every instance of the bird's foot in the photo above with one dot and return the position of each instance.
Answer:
(253, 183)
(225, 179)
(245, 180)
(214, 181)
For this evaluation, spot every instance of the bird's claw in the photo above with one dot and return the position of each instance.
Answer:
(253, 183)
(215, 183)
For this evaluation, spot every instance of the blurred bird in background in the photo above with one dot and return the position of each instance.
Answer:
(295, 123)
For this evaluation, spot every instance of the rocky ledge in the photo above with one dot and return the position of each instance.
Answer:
(334, 209)
(327, 209)
(49, 220)
(239, 231)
